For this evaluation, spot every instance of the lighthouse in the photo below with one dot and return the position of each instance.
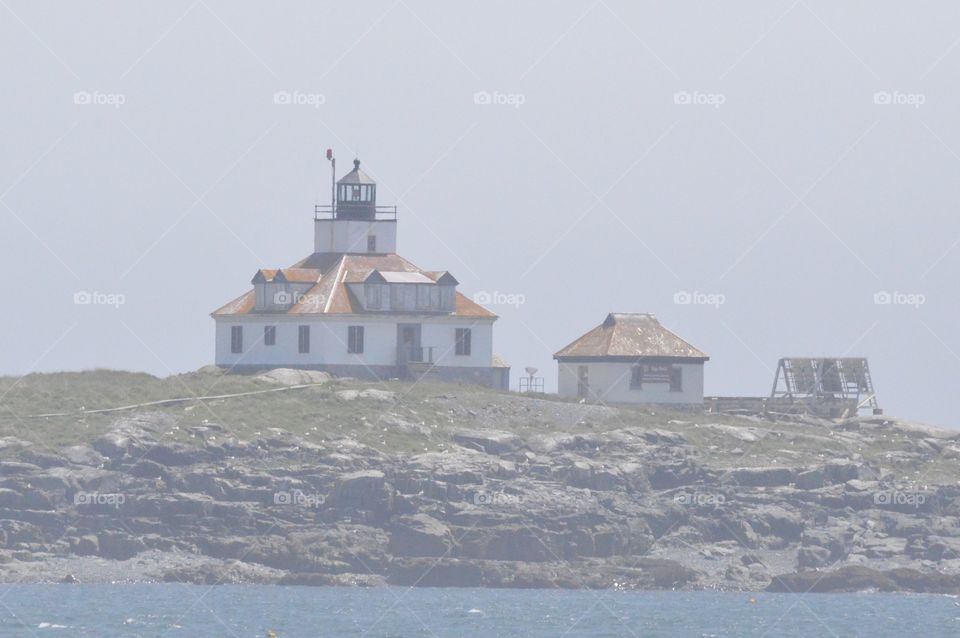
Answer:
(353, 222)
(354, 307)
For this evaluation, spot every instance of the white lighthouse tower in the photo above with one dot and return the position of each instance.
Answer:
(353, 223)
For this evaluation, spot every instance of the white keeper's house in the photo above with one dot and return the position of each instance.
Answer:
(356, 308)
(632, 358)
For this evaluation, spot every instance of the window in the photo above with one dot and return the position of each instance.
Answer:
(269, 335)
(236, 339)
(463, 341)
(676, 379)
(303, 344)
(423, 295)
(371, 243)
(372, 292)
(636, 378)
(355, 339)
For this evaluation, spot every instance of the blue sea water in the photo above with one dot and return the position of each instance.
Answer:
(132, 611)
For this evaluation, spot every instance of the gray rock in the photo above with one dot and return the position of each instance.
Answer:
(813, 557)
(420, 535)
(87, 545)
(763, 476)
(289, 376)
(10, 498)
(83, 455)
(811, 479)
(363, 491)
(119, 545)
(488, 441)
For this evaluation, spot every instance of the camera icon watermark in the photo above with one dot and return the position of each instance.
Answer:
(292, 298)
(897, 298)
(99, 98)
(97, 298)
(700, 499)
(497, 499)
(299, 98)
(697, 298)
(699, 98)
(890, 498)
(498, 98)
(298, 498)
(497, 298)
(899, 98)
(81, 499)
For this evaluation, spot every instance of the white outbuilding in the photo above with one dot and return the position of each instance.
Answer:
(356, 308)
(632, 358)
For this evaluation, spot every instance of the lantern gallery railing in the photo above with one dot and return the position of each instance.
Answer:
(381, 213)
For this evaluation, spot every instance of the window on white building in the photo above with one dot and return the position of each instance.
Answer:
(423, 295)
(303, 341)
(371, 243)
(372, 291)
(463, 341)
(355, 339)
(676, 379)
(269, 335)
(236, 339)
(636, 378)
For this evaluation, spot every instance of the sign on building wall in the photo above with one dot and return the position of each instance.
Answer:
(656, 372)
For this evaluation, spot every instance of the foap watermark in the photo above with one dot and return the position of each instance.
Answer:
(496, 499)
(292, 298)
(899, 498)
(97, 298)
(897, 298)
(81, 499)
(299, 98)
(699, 98)
(697, 298)
(298, 498)
(498, 98)
(497, 298)
(99, 98)
(700, 499)
(899, 98)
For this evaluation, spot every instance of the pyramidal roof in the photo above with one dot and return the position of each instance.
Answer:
(356, 176)
(628, 336)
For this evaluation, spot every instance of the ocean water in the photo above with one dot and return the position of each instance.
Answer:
(106, 611)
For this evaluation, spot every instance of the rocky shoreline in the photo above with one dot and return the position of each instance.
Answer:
(642, 504)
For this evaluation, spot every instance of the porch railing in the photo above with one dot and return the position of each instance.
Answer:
(414, 354)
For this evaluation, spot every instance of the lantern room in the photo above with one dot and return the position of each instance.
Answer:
(356, 195)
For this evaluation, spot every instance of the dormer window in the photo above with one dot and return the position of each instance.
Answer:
(373, 296)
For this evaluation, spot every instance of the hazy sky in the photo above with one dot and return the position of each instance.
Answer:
(788, 159)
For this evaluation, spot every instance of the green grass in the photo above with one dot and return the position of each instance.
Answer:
(318, 415)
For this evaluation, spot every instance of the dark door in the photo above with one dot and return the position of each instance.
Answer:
(408, 343)
(583, 382)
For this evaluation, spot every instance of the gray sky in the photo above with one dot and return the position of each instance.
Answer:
(791, 159)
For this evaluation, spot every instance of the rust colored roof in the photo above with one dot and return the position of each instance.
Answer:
(332, 271)
(467, 307)
(301, 275)
(627, 335)
(293, 275)
(239, 306)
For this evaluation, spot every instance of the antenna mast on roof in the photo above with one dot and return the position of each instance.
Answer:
(333, 181)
